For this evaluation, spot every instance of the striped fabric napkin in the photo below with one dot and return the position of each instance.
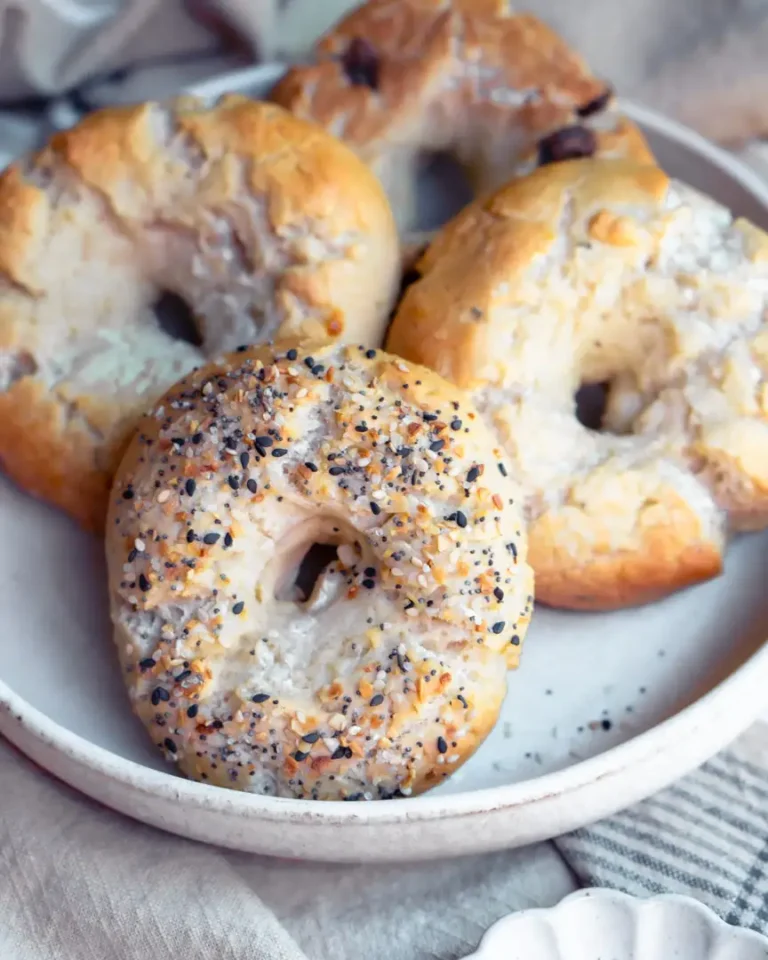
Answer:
(706, 836)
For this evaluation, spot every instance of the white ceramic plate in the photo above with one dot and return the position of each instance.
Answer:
(606, 709)
(605, 925)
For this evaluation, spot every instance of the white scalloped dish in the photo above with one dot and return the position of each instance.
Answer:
(607, 925)
(606, 709)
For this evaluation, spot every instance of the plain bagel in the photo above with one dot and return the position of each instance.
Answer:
(399, 80)
(606, 272)
(264, 224)
(386, 677)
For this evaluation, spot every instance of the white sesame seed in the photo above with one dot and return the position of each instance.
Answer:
(412, 612)
(379, 494)
(300, 394)
(353, 731)
(397, 572)
(402, 367)
(454, 758)
(139, 544)
(406, 791)
(338, 722)
(421, 580)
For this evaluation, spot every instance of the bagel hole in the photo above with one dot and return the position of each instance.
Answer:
(311, 567)
(175, 317)
(591, 402)
(442, 190)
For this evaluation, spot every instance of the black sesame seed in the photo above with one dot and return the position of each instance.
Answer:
(339, 753)
(242, 348)
(230, 443)
(461, 519)
(375, 508)
(515, 641)
(244, 458)
(502, 470)
(473, 474)
(348, 752)
(498, 593)
(191, 536)
(169, 745)
(228, 541)
(429, 417)
(233, 481)
(311, 466)
(442, 746)
(292, 354)
(311, 737)
(158, 694)
(192, 711)
(260, 697)
(211, 538)
(369, 584)
(279, 452)
(370, 572)
(309, 361)
(146, 664)
(183, 676)
(498, 627)
(318, 369)
(606, 724)
(264, 441)
(361, 427)
(300, 755)
(252, 486)
(190, 486)
(128, 494)
(370, 354)
(132, 555)
(377, 700)
(437, 446)
(197, 438)
(144, 584)
(456, 424)
(462, 701)
(238, 607)
(336, 471)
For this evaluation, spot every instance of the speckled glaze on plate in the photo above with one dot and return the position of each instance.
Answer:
(606, 925)
(607, 708)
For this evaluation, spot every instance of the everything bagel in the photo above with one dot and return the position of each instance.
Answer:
(264, 224)
(606, 272)
(399, 80)
(389, 673)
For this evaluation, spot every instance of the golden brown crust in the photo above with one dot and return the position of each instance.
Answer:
(607, 271)
(265, 224)
(391, 673)
(396, 78)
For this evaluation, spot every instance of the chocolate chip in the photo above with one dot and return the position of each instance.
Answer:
(568, 143)
(361, 64)
(598, 103)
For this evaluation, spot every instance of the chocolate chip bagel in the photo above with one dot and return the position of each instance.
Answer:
(384, 676)
(399, 80)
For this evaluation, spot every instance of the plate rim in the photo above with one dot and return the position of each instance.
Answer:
(167, 786)
(496, 936)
